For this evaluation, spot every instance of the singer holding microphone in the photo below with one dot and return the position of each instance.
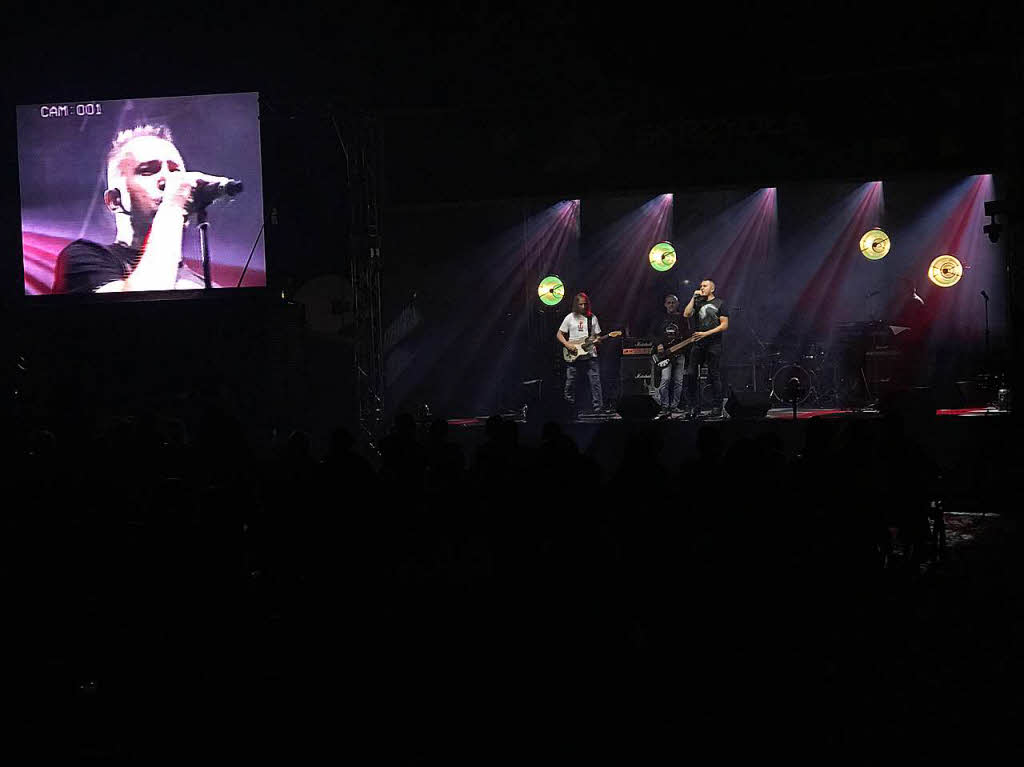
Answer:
(712, 319)
(150, 194)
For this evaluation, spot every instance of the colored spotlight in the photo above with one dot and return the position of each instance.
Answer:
(945, 271)
(662, 256)
(551, 290)
(875, 244)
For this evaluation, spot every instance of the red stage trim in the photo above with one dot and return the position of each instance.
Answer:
(788, 413)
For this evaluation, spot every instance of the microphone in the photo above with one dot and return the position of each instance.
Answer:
(207, 191)
(985, 295)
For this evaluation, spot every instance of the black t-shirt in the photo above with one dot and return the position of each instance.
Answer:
(84, 266)
(707, 315)
(669, 328)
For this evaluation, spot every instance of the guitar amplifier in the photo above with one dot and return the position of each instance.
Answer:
(637, 347)
(635, 374)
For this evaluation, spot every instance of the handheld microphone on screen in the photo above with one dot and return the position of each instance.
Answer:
(217, 187)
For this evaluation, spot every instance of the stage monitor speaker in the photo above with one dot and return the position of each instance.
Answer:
(747, 404)
(917, 403)
(976, 392)
(638, 407)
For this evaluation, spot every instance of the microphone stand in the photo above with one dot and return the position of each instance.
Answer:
(988, 353)
(753, 354)
(204, 245)
(872, 305)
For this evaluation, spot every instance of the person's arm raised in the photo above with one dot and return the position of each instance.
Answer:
(688, 311)
(158, 267)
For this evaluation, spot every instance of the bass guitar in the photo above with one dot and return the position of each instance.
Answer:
(662, 355)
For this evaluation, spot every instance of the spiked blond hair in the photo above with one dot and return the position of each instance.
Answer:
(122, 139)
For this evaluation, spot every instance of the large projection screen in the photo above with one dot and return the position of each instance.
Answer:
(113, 193)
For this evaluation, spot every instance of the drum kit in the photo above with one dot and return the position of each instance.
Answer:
(802, 375)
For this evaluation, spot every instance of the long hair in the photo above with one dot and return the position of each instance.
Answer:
(590, 311)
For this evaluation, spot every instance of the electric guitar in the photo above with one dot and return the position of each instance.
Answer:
(584, 346)
(663, 356)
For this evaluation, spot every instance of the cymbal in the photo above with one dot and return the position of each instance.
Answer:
(946, 271)
(875, 244)
(551, 290)
(662, 256)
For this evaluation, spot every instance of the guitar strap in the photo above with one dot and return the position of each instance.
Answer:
(590, 326)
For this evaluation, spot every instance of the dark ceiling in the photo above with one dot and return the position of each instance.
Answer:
(503, 99)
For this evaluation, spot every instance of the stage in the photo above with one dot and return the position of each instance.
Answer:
(774, 414)
(968, 444)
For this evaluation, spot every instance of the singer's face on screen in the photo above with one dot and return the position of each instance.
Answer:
(145, 166)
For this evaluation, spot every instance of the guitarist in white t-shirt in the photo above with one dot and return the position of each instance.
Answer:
(580, 334)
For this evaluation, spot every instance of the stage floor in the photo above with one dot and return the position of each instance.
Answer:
(779, 413)
(959, 439)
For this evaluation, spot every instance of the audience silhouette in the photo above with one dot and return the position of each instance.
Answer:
(475, 561)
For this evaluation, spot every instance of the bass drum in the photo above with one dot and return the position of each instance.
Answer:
(782, 378)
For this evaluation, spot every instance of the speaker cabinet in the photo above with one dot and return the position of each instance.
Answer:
(638, 407)
(747, 404)
(635, 376)
(914, 403)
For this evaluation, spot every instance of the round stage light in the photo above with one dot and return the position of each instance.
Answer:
(662, 256)
(551, 290)
(875, 244)
(946, 271)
